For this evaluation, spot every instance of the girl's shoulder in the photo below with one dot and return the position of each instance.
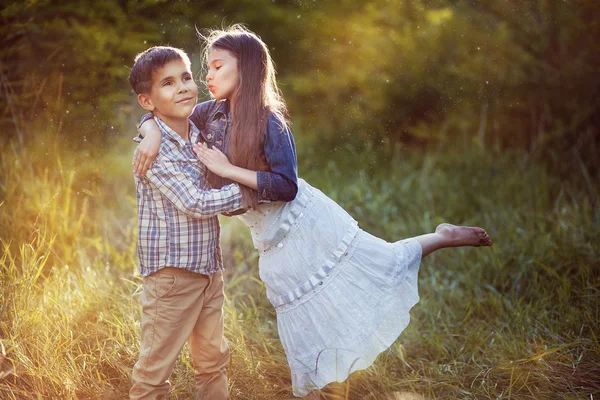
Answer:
(276, 122)
(205, 111)
(206, 105)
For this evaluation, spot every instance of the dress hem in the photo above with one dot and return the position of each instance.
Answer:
(397, 314)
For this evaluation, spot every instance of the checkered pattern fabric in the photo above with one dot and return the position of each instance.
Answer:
(177, 210)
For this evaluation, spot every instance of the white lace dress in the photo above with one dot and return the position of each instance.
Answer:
(342, 296)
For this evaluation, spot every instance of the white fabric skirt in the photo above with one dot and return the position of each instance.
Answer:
(342, 295)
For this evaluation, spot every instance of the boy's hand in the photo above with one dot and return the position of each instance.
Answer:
(145, 154)
(214, 159)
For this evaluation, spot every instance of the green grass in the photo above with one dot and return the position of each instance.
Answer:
(520, 320)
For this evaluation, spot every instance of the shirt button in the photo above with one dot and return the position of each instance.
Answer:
(209, 136)
(280, 245)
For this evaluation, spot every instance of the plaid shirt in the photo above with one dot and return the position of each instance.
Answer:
(177, 210)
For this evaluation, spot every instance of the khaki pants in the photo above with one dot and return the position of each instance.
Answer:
(179, 306)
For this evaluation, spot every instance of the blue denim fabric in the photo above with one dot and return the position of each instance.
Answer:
(281, 183)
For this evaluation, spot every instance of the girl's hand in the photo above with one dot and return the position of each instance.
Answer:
(214, 159)
(147, 150)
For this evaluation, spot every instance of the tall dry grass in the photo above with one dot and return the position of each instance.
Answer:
(518, 321)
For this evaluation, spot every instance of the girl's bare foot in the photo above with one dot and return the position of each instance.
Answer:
(456, 236)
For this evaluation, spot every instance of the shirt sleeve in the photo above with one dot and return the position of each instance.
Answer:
(187, 197)
(145, 117)
(281, 183)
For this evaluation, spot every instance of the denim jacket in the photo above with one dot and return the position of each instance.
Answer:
(281, 182)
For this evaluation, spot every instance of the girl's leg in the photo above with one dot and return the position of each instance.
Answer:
(448, 235)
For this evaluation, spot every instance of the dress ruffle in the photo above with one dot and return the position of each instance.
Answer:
(360, 314)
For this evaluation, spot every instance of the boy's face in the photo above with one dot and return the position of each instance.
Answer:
(222, 77)
(173, 94)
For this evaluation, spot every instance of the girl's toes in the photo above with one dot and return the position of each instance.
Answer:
(485, 240)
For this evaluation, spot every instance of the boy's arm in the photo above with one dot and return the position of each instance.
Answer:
(188, 198)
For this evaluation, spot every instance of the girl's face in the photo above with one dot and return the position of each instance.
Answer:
(222, 77)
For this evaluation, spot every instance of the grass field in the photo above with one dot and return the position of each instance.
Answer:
(520, 320)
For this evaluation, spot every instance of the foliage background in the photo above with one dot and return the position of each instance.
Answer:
(406, 112)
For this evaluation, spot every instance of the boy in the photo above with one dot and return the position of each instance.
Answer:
(178, 240)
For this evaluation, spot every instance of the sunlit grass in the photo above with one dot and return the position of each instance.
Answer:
(518, 321)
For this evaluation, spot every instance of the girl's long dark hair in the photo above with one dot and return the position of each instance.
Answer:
(255, 97)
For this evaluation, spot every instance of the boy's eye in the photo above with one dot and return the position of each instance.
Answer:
(167, 83)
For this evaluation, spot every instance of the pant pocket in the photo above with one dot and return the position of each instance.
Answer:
(164, 284)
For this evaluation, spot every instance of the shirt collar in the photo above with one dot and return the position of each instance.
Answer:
(171, 134)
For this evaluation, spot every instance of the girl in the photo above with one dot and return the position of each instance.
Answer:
(342, 296)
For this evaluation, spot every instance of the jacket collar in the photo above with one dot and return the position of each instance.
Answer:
(222, 109)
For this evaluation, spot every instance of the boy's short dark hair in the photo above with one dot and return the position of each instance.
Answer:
(140, 77)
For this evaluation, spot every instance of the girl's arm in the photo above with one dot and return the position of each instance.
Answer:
(218, 163)
(279, 184)
(147, 150)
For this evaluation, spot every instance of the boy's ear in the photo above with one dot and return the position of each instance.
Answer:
(145, 102)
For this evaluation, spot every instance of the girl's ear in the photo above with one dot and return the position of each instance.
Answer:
(145, 102)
